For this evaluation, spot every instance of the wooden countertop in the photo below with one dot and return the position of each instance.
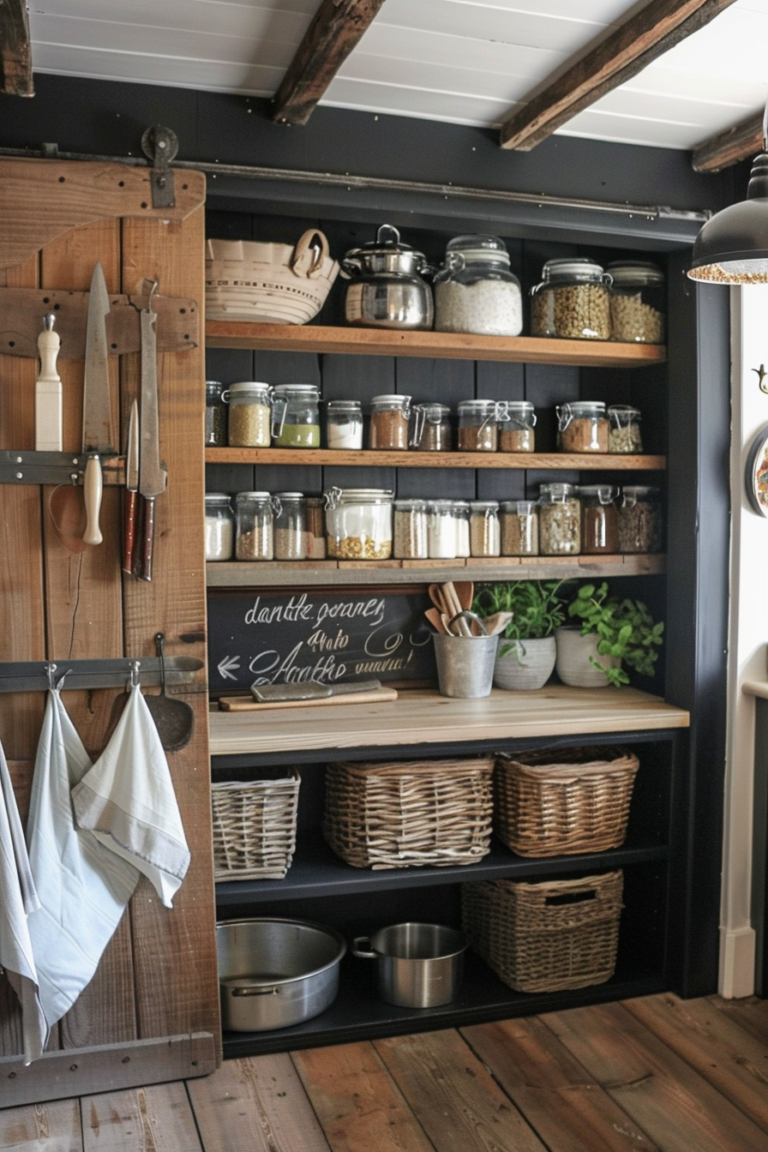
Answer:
(425, 717)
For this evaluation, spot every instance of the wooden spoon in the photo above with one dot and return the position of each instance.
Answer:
(465, 590)
(436, 620)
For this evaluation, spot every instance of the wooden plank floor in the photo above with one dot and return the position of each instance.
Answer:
(656, 1074)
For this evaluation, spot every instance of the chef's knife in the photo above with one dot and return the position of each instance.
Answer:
(97, 432)
(152, 478)
(131, 488)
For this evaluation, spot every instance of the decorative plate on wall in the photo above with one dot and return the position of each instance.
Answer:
(756, 476)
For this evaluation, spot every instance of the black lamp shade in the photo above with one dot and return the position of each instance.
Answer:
(732, 247)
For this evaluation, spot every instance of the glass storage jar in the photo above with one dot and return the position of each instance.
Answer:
(432, 428)
(624, 435)
(254, 534)
(390, 421)
(215, 415)
(358, 523)
(411, 529)
(640, 523)
(475, 290)
(599, 518)
(478, 426)
(296, 416)
(484, 528)
(461, 512)
(290, 526)
(250, 414)
(219, 528)
(314, 524)
(519, 528)
(572, 301)
(517, 420)
(344, 424)
(442, 530)
(559, 520)
(638, 301)
(582, 426)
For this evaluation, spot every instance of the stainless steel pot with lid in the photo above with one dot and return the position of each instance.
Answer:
(386, 288)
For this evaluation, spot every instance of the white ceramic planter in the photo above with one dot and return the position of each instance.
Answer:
(573, 653)
(536, 661)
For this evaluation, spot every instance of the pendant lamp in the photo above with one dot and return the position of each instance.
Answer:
(732, 247)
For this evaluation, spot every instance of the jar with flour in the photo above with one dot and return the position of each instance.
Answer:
(475, 290)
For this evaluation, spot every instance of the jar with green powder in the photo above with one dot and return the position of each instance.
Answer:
(296, 416)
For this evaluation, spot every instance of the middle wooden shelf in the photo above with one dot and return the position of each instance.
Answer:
(366, 458)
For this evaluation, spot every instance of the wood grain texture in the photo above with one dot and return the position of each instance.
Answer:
(738, 142)
(40, 1127)
(336, 28)
(256, 1104)
(557, 1096)
(656, 28)
(140, 1120)
(15, 50)
(357, 1101)
(454, 1097)
(751, 1014)
(367, 458)
(442, 345)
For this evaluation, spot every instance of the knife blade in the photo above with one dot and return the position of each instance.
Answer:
(97, 431)
(152, 477)
(131, 488)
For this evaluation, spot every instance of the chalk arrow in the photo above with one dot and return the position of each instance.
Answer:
(226, 664)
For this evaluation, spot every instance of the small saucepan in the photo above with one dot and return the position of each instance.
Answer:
(417, 965)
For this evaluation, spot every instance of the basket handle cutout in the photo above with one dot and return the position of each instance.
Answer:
(570, 898)
(308, 255)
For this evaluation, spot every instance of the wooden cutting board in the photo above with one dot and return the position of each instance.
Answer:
(247, 704)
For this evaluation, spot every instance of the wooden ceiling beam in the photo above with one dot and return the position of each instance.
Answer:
(626, 51)
(15, 49)
(336, 28)
(738, 142)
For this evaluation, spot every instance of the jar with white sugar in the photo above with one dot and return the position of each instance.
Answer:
(219, 527)
(344, 424)
(475, 290)
(442, 530)
(461, 511)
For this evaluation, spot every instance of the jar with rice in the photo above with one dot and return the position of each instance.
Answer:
(475, 291)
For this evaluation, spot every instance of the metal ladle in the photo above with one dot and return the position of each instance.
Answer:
(174, 719)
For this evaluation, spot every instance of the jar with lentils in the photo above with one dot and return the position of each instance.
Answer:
(290, 526)
(478, 426)
(250, 414)
(254, 535)
(411, 541)
(638, 302)
(559, 520)
(517, 420)
(582, 426)
(215, 415)
(358, 523)
(599, 519)
(624, 435)
(296, 416)
(519, 528)
(484, 528)
(640, 524)
(390, 422)
(432, 428)
(572, 301)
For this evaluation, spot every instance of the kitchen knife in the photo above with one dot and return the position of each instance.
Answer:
(152, 478)
(309, 690)
(97, 432)
(131, 488)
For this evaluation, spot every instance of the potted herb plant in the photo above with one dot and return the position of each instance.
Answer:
(615, 633)
(526, 659)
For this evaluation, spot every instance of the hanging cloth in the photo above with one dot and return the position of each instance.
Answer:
(83, 889)
(18, 898)
(127, 800)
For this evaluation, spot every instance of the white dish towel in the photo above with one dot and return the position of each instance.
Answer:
(127, 800)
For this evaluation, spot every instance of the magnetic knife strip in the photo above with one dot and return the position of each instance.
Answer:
(28, 467)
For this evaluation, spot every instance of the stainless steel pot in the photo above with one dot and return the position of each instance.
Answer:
(275, 973)
(386, 288)
(417, 965)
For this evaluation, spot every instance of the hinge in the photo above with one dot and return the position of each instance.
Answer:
(160, 145)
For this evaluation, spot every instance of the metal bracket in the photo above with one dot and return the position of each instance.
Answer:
(38, 675)
(55, 468)
(160, 145)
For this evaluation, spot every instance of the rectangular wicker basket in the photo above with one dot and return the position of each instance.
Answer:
(565, 801)
(436, 812)
(254, 827)
(547, 936)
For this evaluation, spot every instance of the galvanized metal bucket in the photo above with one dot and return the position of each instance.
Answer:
(465, 664)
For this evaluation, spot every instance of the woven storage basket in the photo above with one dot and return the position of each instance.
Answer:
(558, 803)
(254, 827)
(435, 812)
(548, 936)
(268, 283)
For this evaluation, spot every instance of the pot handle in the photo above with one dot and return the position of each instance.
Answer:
(307, 259)
(253, 990)
(363, 953)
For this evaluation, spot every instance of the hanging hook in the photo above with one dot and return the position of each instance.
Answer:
(153, 289)
(761, 375)
(51, 671)
(135, 674)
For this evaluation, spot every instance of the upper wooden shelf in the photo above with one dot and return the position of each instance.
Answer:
(433, 345)
(571, 461)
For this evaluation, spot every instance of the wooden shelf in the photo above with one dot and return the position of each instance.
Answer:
(282, 574)
(365, 458)
(433, 345)
(421, 717)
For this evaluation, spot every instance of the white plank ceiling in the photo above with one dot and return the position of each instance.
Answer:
(462, 61)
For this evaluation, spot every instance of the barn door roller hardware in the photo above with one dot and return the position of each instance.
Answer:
(160, 145)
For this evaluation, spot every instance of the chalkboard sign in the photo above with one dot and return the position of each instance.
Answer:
(291, 637)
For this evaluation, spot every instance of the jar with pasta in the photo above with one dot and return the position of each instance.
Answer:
(638, 302)
(478, 426)
(290, 526)
(358, 523)
(254, 527)
(390, 422)
(519, 528)
(559, 520)
(640, 524)
(432, 430)
(411, 519)
(250, 414)
(517, 420)
(582, 426)
(572, 301)
(484, 528)
(296, 416)
(218, 527)
(599, 518)
(624, 435)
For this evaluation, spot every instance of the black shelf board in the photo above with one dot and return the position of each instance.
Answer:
(359, 1014)
(317, 871)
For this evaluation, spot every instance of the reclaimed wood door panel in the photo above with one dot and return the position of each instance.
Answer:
(35, 1127)
(140, 1120)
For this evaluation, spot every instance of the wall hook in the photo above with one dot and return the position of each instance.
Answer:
(135, 674)
(51, 673)
(761, 375)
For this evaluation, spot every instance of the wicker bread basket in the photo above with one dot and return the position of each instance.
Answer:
(407, 815)
(547, 936)
(268, 283)
(254, 827)
(564, 801)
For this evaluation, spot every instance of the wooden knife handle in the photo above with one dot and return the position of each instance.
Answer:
(129, 528)
(147, 539)
(93, 487)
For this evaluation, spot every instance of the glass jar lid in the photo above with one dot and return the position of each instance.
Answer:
(252, 497)
(411, 505)
(471, 248)
(633, 492)
(290, 495)
(305, 391)
(336, 496)
(434, 412)
(213, 390)
(391, 400)
(343, 406)
(577, 408)
(516, 406)
(579, 268)
(634, 273)
(519, 507)
(556, 493)
(446, 507)
(216, 499)
(624, 413)
(605, 493)
(249, 388)
(478, 405)
(484, 505)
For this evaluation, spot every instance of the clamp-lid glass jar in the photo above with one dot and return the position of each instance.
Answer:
(638, 301)
(572, 301)
(484, 528)
(314, 524)
(582, 426)
(478, 425)
(219, 526)
(344, 424)
(411, 529)
(475, 290)
(432, 428)
(442, 530)
(599, 518)
(559, 520)
(625, 434)
(290, 526)
(517, 420)
(215, 415)
(640, 523)
(390, 421)
(249, 414)
(296, 416)
(254, 522)
(358, 523)
(519, 528)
